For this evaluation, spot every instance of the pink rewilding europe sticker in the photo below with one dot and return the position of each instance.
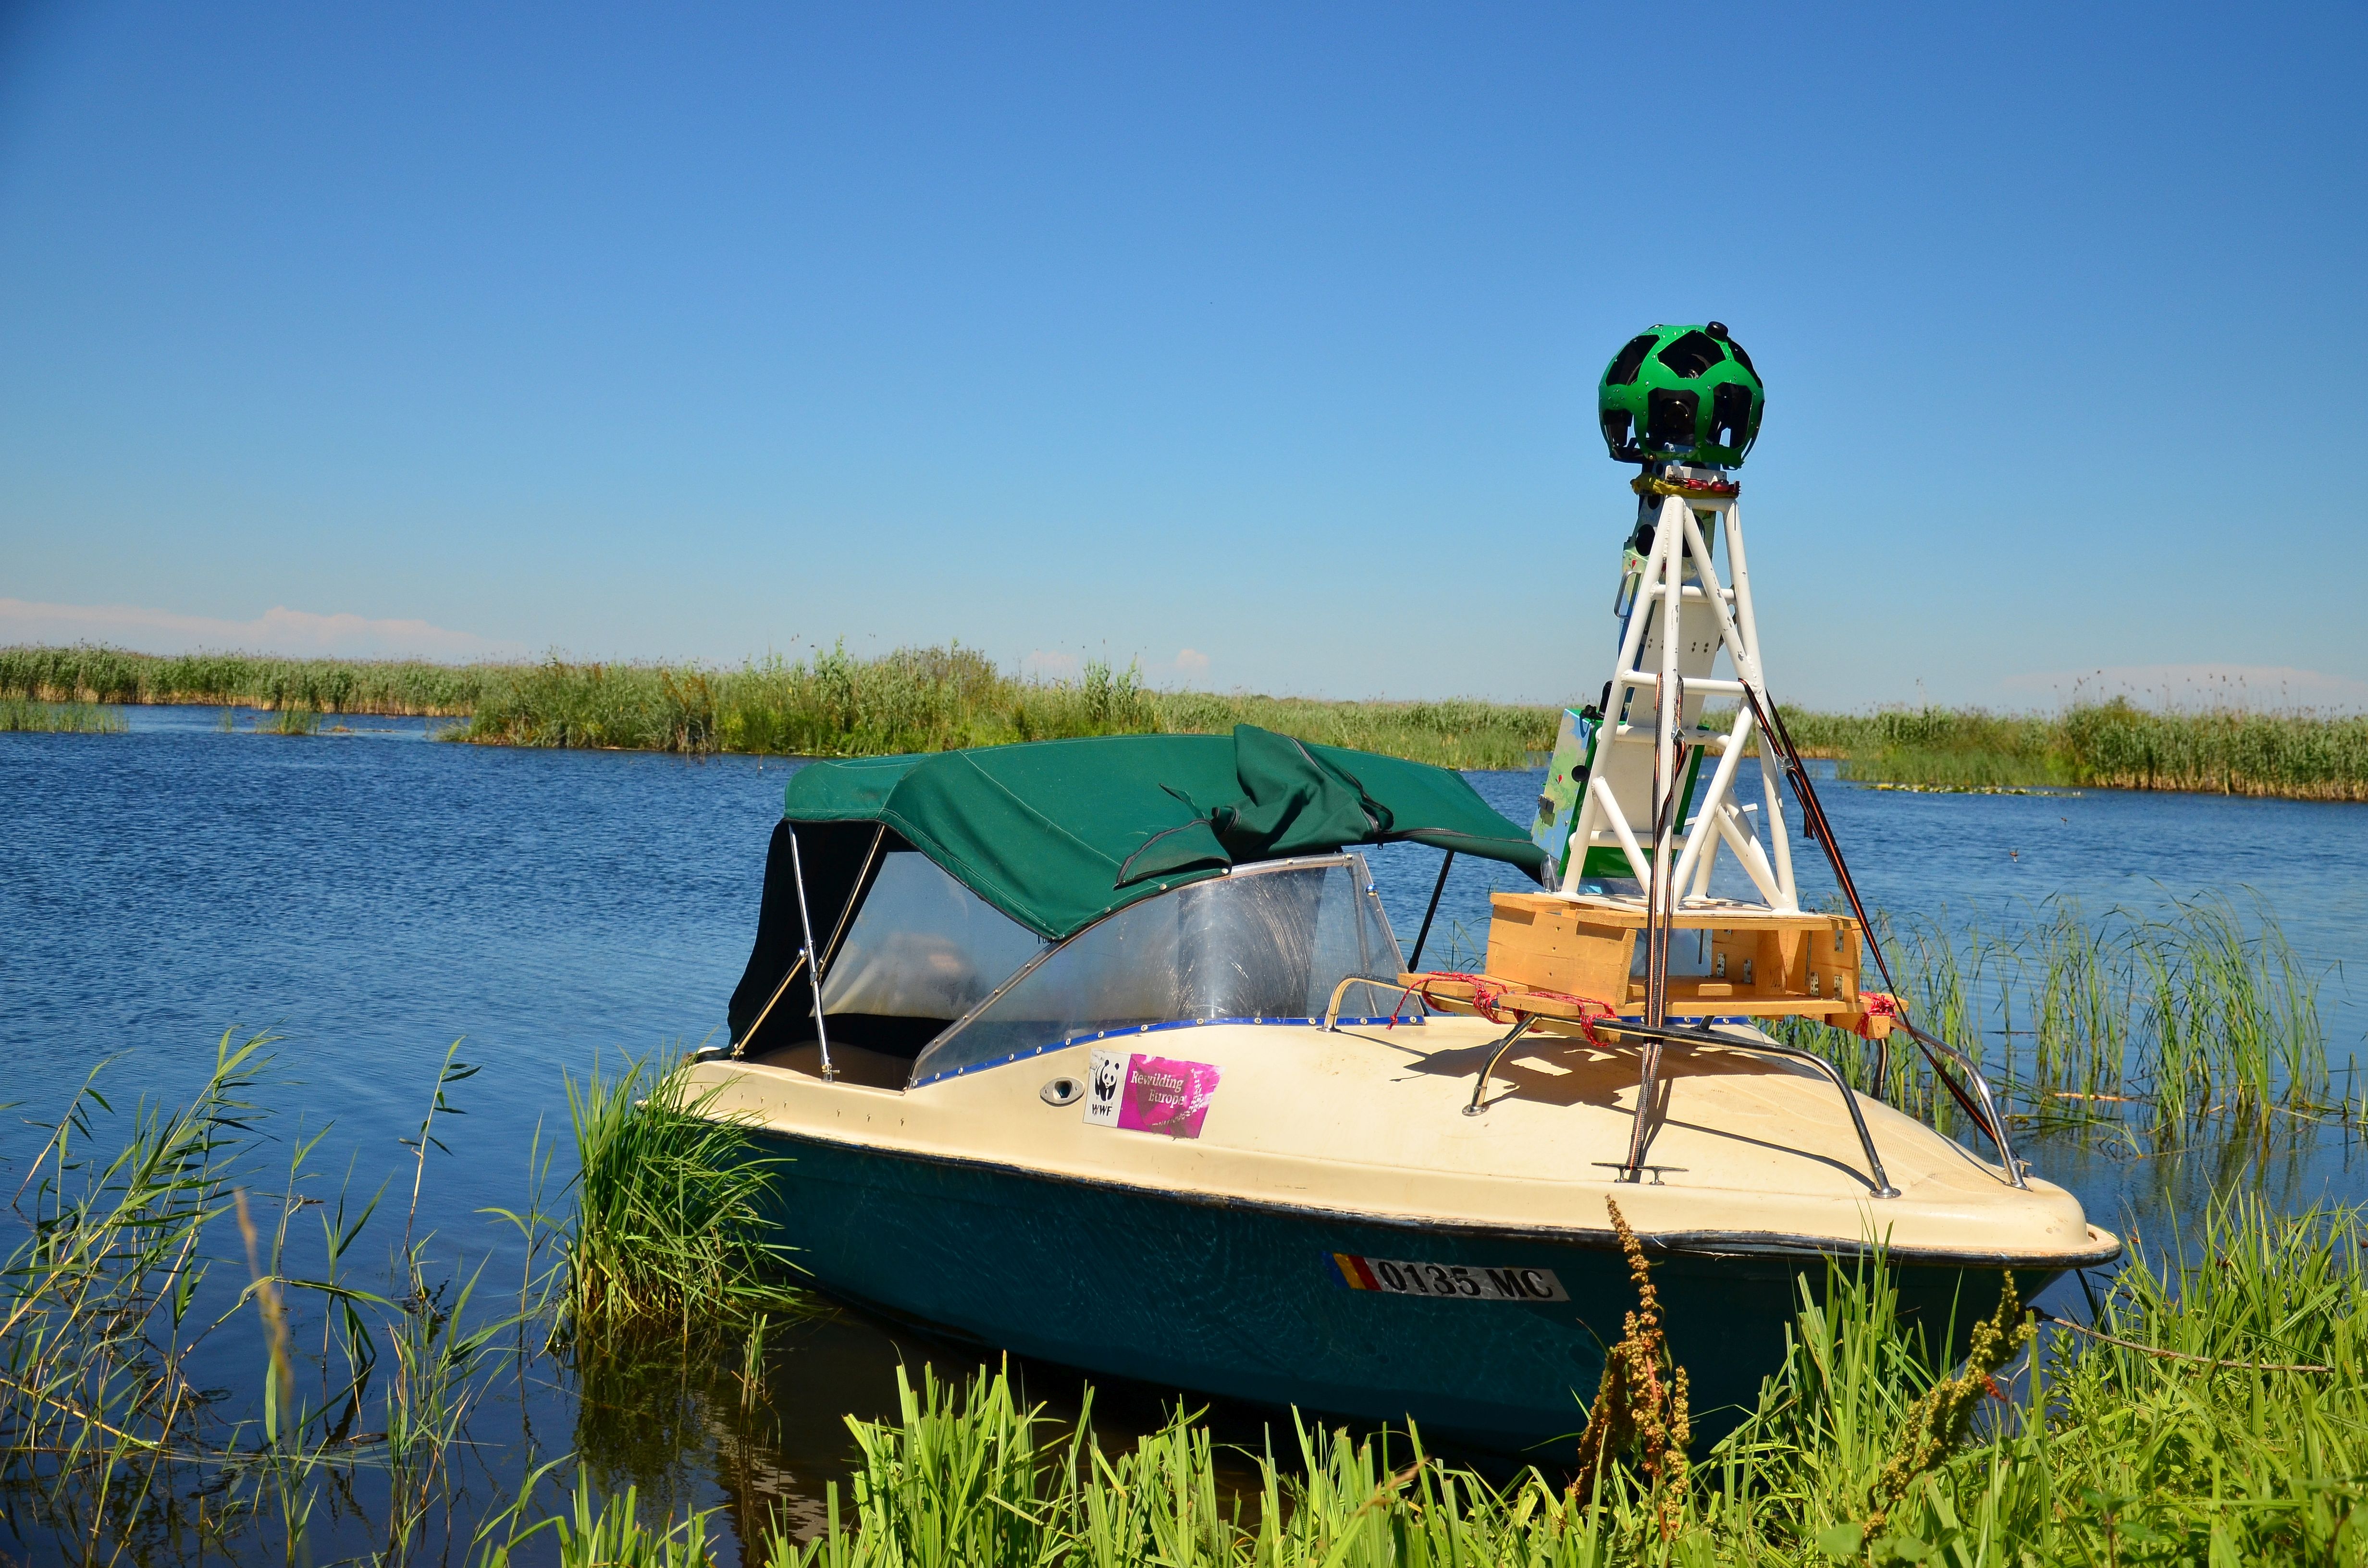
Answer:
(1150, 1094)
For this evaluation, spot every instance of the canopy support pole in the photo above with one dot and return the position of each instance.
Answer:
(740, 1046)
(805, 926)
(798, 964)
(1437, 887)
(854, 895)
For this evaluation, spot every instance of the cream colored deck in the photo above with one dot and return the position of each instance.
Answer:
(1369, 1122)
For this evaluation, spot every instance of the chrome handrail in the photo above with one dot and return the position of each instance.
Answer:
(1339, 991)
(1996, 1126)
(1693, 1039)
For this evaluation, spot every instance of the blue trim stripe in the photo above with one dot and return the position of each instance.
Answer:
(1133, 1029)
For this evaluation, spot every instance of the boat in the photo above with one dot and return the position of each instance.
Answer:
(1104, 1052)
(1116, 1064)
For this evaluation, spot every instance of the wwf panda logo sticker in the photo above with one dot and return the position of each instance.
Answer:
(1104, 1079)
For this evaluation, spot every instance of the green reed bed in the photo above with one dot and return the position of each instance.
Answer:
(90, 674)
(914, 700)
(831, 705)
(154, 1248)
(934, 699)
(157, 1246)
(2113, 744)
(2170, 1025)
(670, 1223)
(1458, 734)
(2214, 1414)
(18, 715)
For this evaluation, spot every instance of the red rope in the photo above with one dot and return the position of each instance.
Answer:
(1486, 992)
(1873, 1005)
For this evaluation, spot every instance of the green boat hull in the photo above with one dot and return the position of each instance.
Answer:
(1249, 1303)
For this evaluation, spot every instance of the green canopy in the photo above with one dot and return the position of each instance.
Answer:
(1058, 834)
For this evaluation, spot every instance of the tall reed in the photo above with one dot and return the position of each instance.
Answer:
(933, 699)
(2201, 1013)
(671, 1224)
(2114, 744)
(2214, 1416)
(91, 673)
(2212, 1411)
(20, 716)
(112, 1313)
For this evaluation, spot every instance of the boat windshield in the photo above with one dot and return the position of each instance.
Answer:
(1268, 941)
(923, 952)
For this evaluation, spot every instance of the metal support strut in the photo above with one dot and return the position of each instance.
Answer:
(1985, 1115)
(1481, 1089)
(1694, 1039)
(805, 925)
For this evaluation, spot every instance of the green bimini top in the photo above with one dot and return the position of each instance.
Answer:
(1059, 834)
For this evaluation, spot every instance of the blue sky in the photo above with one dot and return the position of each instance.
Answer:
(1257, 344)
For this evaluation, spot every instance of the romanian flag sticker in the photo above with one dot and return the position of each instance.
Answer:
(1400, 1276)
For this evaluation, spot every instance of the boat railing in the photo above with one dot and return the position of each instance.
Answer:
(1692, 1040)
(1571, 1015)
(1340, 994)
(1689, 1039)
(1993, 1123)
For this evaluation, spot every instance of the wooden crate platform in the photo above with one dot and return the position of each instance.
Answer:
(1688, 998)
(1764, 963)
(1543, 948)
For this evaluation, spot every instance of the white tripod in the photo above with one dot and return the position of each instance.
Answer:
(1633, 778)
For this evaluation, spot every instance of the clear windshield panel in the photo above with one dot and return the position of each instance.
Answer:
(1265, 942)
(923, 946)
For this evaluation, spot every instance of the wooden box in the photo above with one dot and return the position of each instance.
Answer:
(1762, 962)
(1552, 944)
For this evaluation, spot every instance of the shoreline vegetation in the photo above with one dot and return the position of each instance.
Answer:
(937, 698)
(19, 715)
(2209, 1411)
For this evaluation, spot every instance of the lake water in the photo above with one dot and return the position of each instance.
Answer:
(371, 898)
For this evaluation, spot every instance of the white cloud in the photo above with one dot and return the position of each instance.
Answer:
(2202, 685)
(277, 630)
(1191, 662)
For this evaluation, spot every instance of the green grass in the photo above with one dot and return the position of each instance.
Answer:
(157, 1247)
(1455, 733)
(2102, 745)
(669, 1229)
(832, 705)
(90, 674)
(21, 715)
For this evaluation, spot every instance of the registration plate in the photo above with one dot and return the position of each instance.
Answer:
(1402, 1277)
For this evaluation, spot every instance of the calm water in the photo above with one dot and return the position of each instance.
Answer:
(371, 898)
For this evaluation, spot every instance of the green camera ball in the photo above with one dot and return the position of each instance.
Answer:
(1680, 394)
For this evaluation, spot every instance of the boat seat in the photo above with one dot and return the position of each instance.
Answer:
(852, 1064)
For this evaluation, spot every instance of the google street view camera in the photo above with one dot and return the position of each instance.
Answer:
(1684, 395)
